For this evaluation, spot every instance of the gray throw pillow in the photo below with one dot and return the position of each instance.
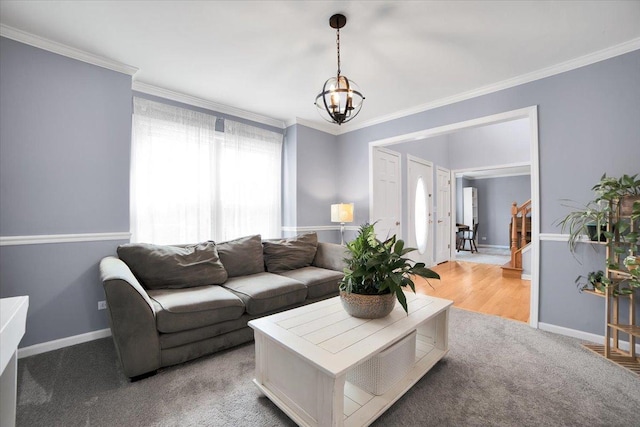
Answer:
(161, 267)
(242, 256)
(290, 254)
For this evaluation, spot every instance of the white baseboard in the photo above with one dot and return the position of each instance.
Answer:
(62, 342)
(493, 246)
(594, 338)
(103, 333)
(525, 277)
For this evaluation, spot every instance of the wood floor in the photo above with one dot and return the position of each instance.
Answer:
(480, 288)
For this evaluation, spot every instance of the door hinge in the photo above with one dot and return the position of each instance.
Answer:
(449, 246)
(448, 214)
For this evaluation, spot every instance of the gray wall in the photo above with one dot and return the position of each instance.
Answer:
(492, 145)
(310, 181)
(65, 128)
(587, 124)
(495, 197)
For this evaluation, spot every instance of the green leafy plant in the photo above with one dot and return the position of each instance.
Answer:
(609, 192)
(610, 188)
(380, 267)
(578, 221)
(595, 281)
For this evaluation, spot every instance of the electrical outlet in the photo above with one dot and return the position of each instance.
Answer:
(102, 305)
(484, 238)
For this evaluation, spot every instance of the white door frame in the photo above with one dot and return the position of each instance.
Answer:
(530, 113)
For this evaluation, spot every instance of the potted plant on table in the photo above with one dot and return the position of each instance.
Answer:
(376, 273)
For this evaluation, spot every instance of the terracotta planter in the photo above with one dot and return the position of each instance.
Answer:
(367, 306)
(626, 204)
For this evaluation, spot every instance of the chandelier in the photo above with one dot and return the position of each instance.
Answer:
(340, 100)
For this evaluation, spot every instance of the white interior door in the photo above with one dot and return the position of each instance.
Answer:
(386, 195)
(443, 215)
(420, 209)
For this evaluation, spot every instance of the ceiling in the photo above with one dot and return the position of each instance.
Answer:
(272, 57)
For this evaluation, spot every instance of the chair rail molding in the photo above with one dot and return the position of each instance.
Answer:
(305, 228)
(62, 238)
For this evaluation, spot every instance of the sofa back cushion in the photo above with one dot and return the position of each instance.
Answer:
(289, 254)
(242, 256)
(161, 267)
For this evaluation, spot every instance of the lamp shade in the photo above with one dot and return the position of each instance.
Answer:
(342, 212)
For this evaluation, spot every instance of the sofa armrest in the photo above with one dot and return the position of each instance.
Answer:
(330, 256)
(132, 318)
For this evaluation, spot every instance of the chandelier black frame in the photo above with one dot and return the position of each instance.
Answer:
(340, 99)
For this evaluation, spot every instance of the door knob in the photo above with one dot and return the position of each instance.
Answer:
(397, 222)
(439, 221)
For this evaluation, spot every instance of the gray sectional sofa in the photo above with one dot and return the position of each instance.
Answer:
(171, 304)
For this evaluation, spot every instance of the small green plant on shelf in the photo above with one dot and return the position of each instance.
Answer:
(610, 188)
(590, 219)
(594, 281)
(611, 196)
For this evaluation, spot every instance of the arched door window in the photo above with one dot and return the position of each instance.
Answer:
(421, 216)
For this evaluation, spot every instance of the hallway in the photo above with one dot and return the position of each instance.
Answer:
(480, 288)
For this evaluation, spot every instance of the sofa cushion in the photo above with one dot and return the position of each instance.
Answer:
(289, 254)
(319, 281)
(242, 256)
(159, 267)
(264, 292)
(184, 309)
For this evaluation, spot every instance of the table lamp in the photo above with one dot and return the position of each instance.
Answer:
(342, 212)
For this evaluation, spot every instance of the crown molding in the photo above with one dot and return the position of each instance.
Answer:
(325, 127)
(64, 50)
(553, 70)
(139, 86)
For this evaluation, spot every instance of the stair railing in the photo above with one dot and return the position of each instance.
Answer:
(518, 213)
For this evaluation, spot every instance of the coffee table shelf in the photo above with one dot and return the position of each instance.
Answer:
(304, 354)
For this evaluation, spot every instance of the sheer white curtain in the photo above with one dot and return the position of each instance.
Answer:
(249, 166)
(191, 183)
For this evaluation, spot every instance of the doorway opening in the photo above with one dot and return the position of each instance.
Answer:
(528, 115)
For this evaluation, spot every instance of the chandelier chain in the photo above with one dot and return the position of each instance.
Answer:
(338, 48)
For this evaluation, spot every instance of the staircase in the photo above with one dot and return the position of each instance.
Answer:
(520, 229)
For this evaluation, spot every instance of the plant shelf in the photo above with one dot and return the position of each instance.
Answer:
(627, 329)
(617, 357)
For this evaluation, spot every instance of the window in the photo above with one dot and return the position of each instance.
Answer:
(191, 182)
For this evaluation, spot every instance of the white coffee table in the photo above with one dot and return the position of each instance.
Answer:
(303, 356)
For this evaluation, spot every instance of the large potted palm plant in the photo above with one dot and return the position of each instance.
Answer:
(376, 273)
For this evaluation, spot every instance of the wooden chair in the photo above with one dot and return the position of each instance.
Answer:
(468, 236)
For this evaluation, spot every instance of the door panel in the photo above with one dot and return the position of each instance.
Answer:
(386, 196)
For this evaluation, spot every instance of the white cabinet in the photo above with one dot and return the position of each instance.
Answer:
(470, 206)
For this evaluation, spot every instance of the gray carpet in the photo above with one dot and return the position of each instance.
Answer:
(497, 373)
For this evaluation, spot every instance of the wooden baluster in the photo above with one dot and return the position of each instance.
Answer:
(523, 230)
(514, 233)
